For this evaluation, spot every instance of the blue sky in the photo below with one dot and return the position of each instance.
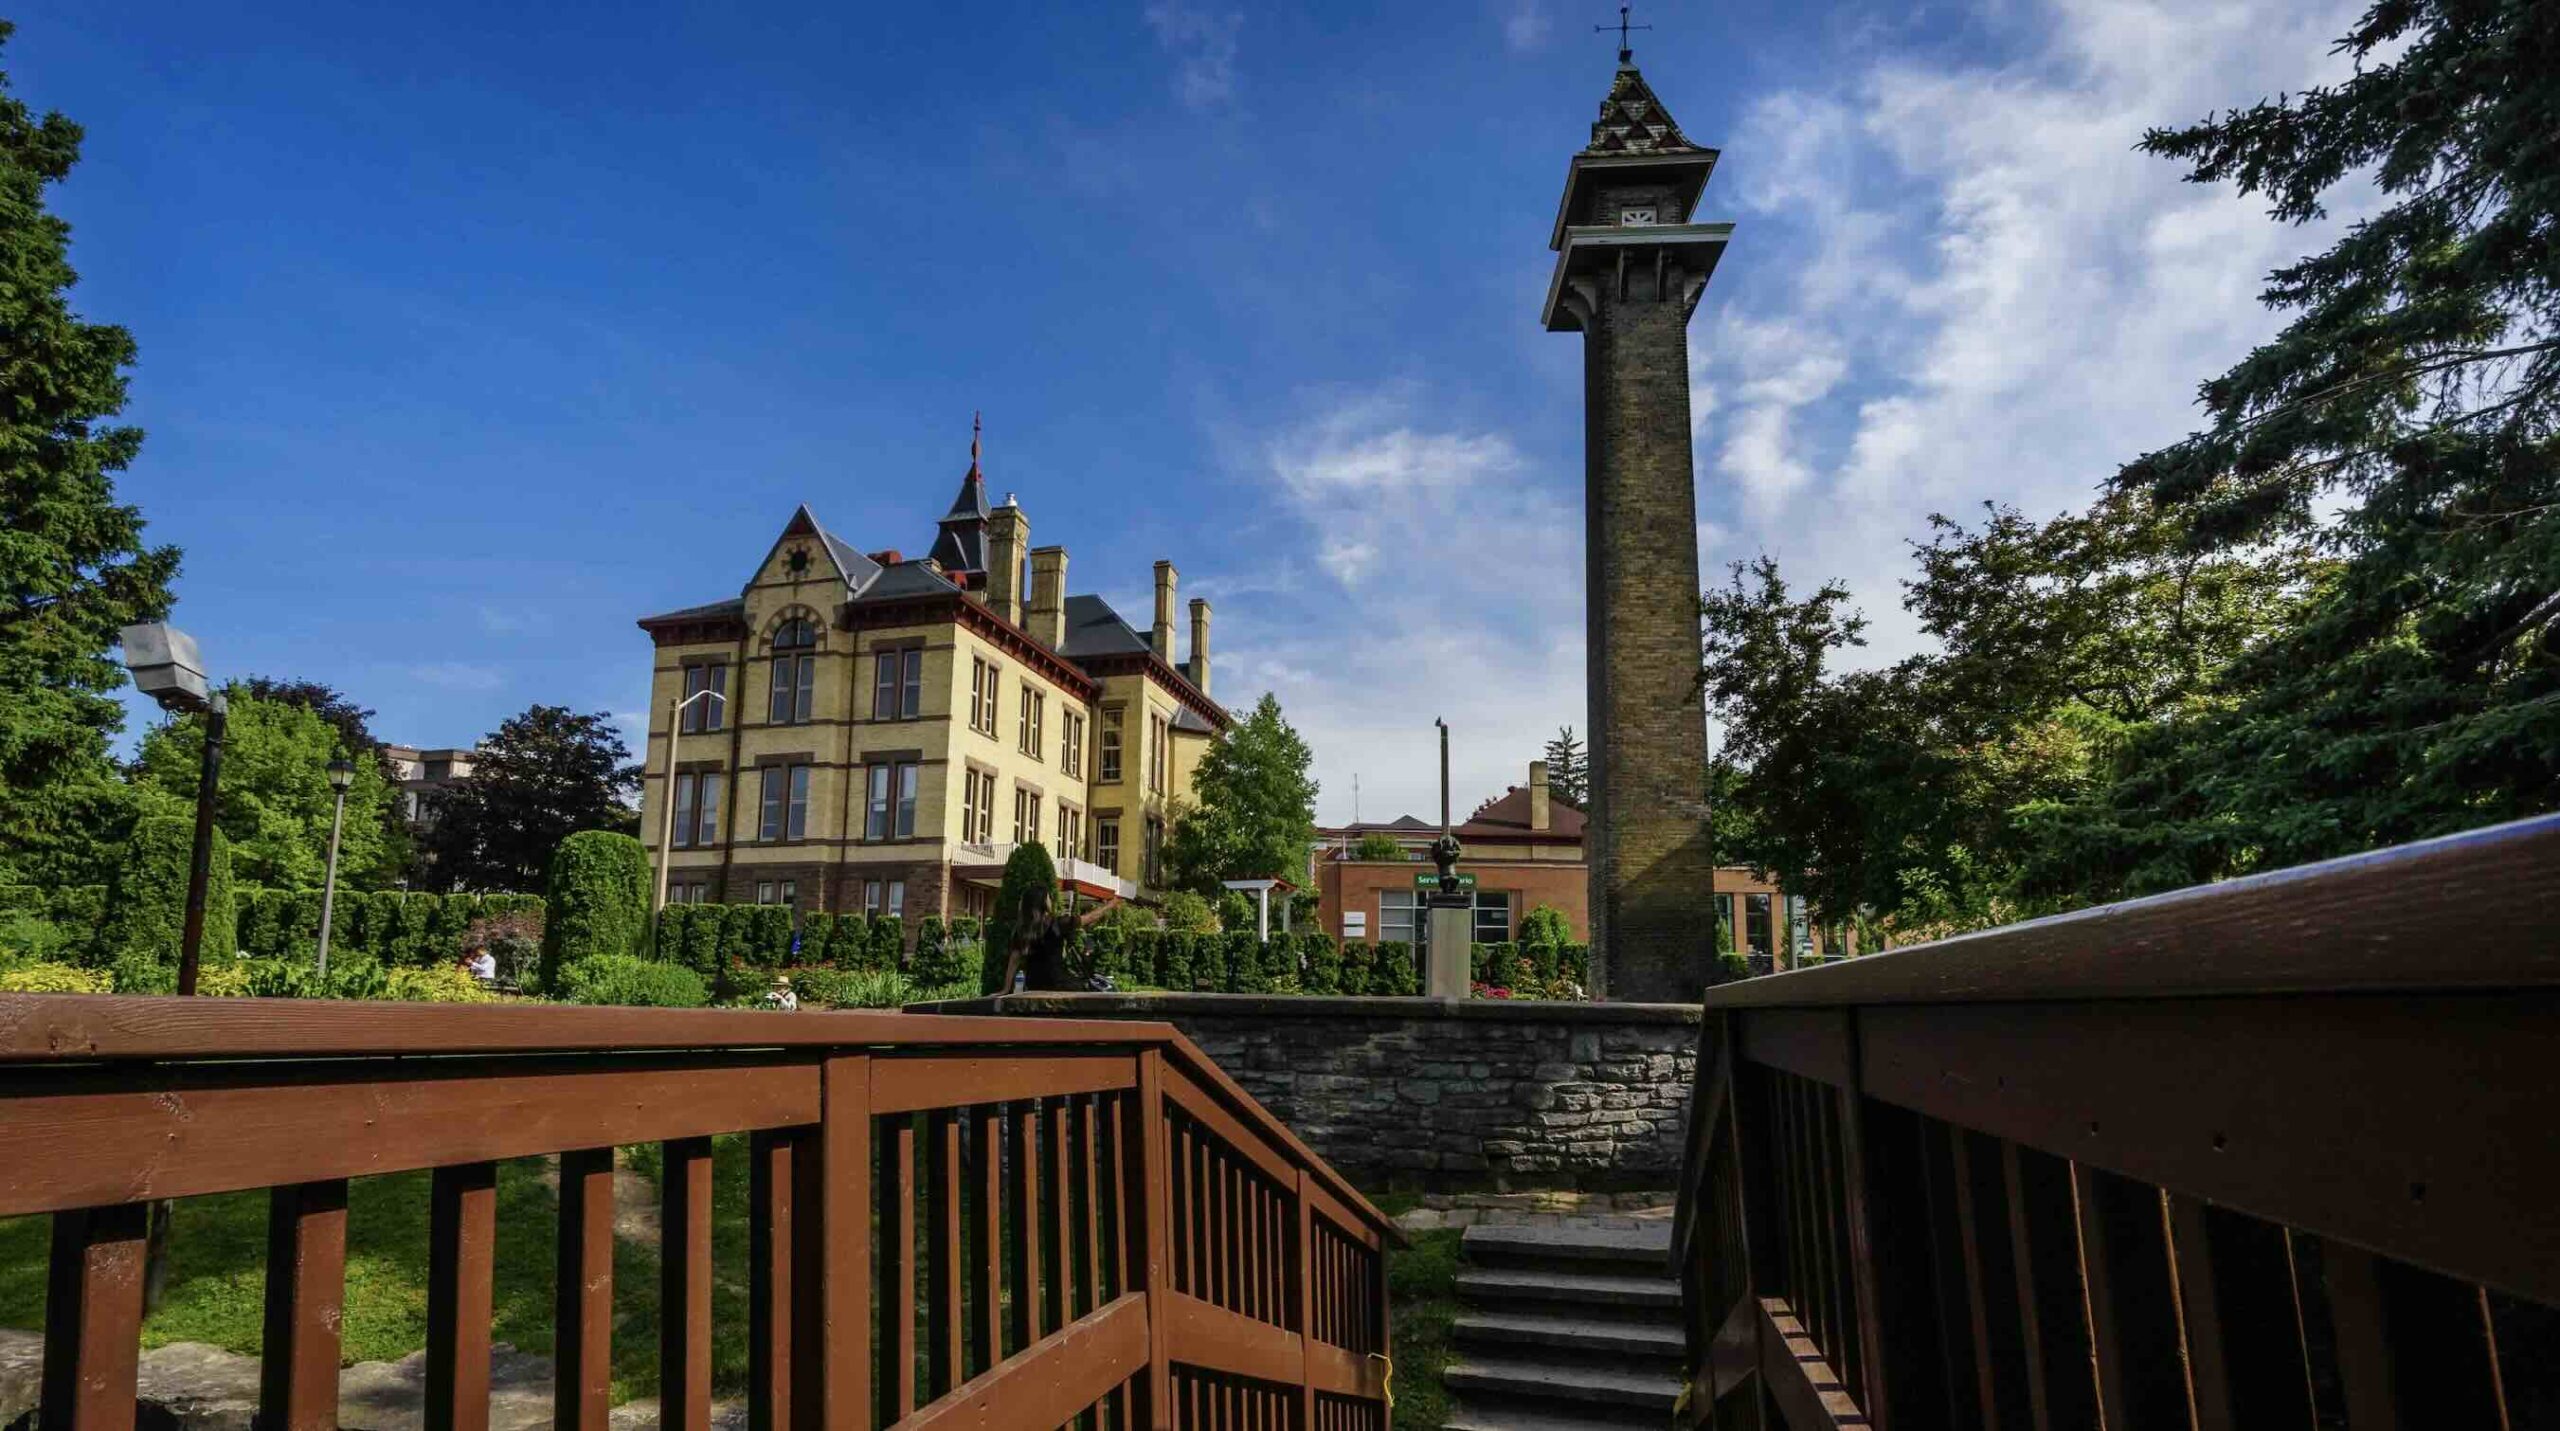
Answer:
(471, 332)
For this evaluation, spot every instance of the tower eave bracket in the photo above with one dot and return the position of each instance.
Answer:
(1698, 246)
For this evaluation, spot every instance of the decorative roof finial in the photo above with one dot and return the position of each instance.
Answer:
(973, 443)
(1626, 55)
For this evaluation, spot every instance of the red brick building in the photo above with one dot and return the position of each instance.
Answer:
(1525, 849)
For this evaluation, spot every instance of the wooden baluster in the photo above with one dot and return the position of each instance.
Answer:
(2365, 1363)
(1059, 1298)
(1953, 1308)
(1185, 1207)
(1089, 1145)
(93, 1318)
(1303, 1276)
(946, 1315)
(1022, 1250)
(2133, 1322)
(1152, 1156)
(582, 1301)
(769, 1267)
(462, 1240)
(1990, 1283)
(305, 1306)
(986, 1194)
(831, 1250)
(684, 1284)
(901, 1267)
(1120, 1125)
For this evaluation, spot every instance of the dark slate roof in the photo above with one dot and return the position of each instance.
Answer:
(907, 578)
(962, 543)
(1185, 718)
(1633, 121)
(859, 570)
(734, 606)
(1094, 629)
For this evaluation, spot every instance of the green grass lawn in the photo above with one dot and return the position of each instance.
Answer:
(217, 1272)
(217, 1279)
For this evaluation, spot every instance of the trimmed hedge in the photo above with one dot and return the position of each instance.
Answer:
(146, 905)
(402, 931)
(625, 979)
(597, 905)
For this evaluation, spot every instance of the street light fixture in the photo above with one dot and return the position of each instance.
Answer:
(342, 773)
(667, 791)
(167, 667)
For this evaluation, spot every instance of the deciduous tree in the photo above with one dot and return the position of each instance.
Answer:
(1255, 815)
(539, 778)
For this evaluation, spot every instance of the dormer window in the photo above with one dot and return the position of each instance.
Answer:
(1635, 218)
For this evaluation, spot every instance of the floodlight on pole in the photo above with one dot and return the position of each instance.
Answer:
(342, 774)
(167, 667)
(667, 792)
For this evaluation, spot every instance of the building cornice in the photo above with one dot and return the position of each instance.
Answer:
(1005, 636)
(1586, 250)
(1176, 684)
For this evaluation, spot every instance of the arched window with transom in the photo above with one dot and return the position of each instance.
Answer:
(795, 672)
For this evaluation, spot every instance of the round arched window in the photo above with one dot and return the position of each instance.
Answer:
(795, 672)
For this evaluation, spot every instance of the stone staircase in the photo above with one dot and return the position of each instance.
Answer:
(1573, 1327)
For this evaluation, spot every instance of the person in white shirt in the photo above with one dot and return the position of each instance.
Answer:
(781, 996)
(482, 964)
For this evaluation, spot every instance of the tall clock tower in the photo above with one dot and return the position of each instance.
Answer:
(1629, 268)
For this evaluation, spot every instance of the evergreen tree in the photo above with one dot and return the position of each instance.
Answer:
(73, 567)
(2407, 419)
(538, 779)
(1569, 770)
(1256, 811)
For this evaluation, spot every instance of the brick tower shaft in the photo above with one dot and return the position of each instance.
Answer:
(1629, 272)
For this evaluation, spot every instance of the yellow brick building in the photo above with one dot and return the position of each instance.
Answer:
(887, 729)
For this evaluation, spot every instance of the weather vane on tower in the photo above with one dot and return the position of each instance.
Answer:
(1625, 54)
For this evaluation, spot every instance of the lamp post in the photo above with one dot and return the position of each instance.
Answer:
(167, 667)
(342, 773)
(667, 792)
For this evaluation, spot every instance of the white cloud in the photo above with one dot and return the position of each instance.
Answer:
(1524, 25)
(1987, 293)
(457, 675)
(1455, 590)
(1203, 46)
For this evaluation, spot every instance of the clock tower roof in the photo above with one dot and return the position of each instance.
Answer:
(1637, 155)
(1633, 120)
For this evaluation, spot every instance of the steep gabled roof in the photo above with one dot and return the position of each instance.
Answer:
(1094, 629)
(1633, 121)
(906, 579)
(962, 542)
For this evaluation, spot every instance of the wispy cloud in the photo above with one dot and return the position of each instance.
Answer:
(1524, 25)
(1203, 46)
(510, 621)
(457, 676)
(1451, 586)
(1988, 294)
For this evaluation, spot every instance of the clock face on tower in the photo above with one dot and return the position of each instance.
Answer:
(1633, 218)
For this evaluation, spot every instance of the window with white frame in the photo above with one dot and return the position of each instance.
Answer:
(784, 804)
(984, 682)
(897, 684)
(1034, 707)
(1071, 742)
(1397, 921)
(697, 808)
(702, 715)
(1107, 746)
(889, 803)
(1106, 842)
(1026, 814)
(794, 688)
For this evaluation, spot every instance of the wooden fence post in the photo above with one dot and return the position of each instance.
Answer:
(1153, 1161)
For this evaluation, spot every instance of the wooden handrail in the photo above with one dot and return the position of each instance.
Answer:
(1088, 1216)
(2254, 1154)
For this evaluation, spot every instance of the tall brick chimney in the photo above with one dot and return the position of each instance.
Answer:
(1007, 530)
(1163, 637)
(1541, 800)
(1048, 621)
(1200, 643)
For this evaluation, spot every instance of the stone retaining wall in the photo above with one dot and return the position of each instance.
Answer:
(1441, 1094)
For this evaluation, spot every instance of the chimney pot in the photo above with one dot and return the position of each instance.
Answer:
(1007, 531)
(1166, 577)
(1200, 643)
(1048, 620)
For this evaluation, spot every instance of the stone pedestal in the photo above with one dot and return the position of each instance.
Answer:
(1453, 930)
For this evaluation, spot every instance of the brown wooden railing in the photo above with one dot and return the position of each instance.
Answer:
(2283, 1152)
(956, 1222)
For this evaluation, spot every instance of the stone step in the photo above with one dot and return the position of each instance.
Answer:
(1465, 1417)
(1646, 1247)
(1487, 1287)
(1576, 1337)
(1501, 1382)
